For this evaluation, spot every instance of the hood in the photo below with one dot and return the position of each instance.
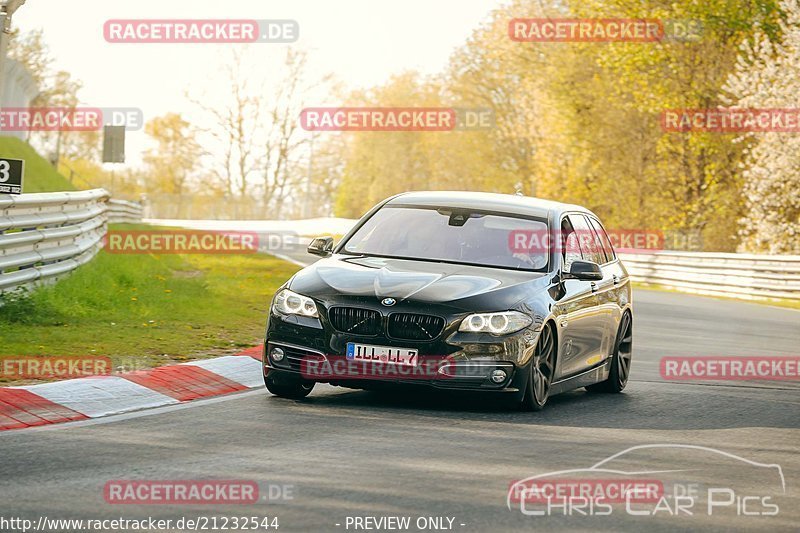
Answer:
(421, 281)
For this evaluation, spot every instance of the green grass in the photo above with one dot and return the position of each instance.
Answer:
(147, 310)
(40, 176)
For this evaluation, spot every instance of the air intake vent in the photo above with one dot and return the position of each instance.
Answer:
(415, 327)
(355, 321)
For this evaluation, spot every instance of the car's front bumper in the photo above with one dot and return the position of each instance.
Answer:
(470, 375)
(453, 361)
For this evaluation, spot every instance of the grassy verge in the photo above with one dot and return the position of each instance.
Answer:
(147, 310)
(40, 176)
(776, 302)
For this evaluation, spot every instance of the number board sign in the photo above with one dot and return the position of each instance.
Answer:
(11, 173)
(113, 144)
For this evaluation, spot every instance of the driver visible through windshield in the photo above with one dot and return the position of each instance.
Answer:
(450, 235)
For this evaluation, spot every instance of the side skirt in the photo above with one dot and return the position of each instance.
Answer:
(590, 377)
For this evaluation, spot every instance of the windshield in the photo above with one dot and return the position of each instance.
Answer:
(450, 235)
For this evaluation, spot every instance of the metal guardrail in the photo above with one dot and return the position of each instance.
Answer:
(746, 276)
(44, 236)
(121, 211)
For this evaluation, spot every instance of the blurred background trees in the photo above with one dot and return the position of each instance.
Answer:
(768, 76)
(575, 122)
(580, 122)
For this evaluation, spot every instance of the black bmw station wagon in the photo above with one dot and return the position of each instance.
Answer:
(480, 292)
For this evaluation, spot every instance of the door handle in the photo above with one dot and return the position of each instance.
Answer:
(616, 279)
(594, 287)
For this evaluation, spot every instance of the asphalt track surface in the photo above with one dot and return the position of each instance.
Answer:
(347, 454)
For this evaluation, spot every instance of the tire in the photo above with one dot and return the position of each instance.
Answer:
(621, 360)
(540, 372)
(287, 386)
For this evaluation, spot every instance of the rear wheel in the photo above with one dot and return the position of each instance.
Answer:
(287, 386)
(540, 375)
(620, 361)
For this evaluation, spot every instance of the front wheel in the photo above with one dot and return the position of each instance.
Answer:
(288, 387)
(621, 360)
(540, 374)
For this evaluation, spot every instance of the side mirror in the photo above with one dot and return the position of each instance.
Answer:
(586, 271)
(322, 246)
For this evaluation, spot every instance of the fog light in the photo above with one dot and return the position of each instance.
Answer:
(499, 376)
(276, 354)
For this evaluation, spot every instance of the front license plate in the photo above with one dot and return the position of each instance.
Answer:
(382, 354)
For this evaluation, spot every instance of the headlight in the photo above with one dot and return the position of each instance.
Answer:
(495, 323)
(291, 303)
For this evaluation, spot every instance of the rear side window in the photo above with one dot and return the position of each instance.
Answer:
(604, 240)
(591, 248)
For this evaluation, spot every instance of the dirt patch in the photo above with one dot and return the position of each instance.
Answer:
(187, 274)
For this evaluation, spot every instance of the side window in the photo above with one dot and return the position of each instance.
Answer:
(604, 240)
(570, 250)
(591, 250)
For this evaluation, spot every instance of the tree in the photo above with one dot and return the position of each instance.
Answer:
(576, 122)
(234, 127)
(31, 50)
(175, 158)
(380, 164)
(257, 128)
(283, 137)
(768, 76)
(325, 170)
(57, 89)
(610, 97)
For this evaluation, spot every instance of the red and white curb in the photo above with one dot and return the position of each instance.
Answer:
(93, 397)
